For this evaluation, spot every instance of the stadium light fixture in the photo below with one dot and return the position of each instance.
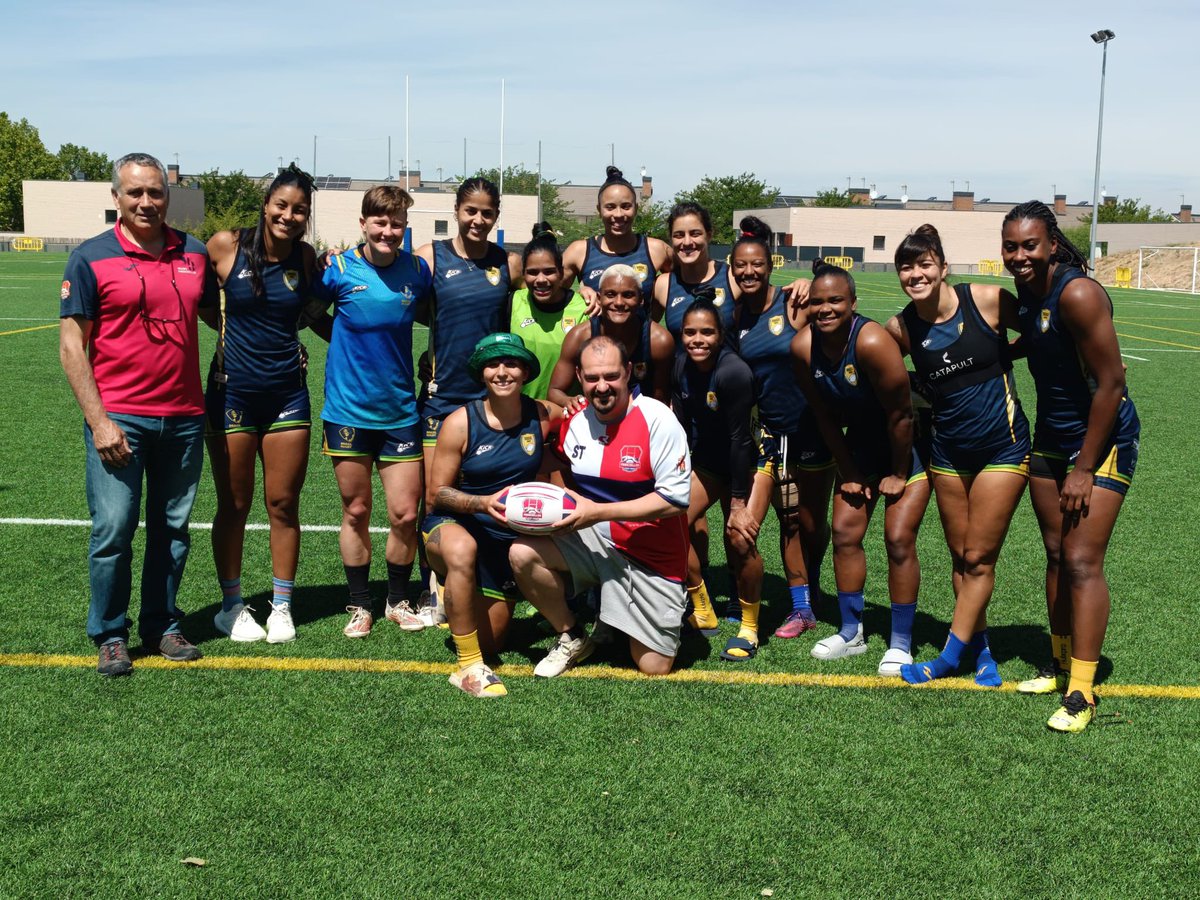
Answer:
(1101, 37)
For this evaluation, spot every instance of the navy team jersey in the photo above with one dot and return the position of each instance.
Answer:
(369, 369)
(469, 300)
(714, 409)
(680, 296)
(495, 459)
(595, 261)
(1063, 383)
(764, 341)
(257, 346)
(847, 391)
(642, 381)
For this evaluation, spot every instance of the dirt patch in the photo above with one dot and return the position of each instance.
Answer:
(1169, 270)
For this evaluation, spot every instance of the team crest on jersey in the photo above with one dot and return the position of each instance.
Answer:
(960, 327)
(718, 296)
(234, 416)
(775, 324)
(406, 295)
(631, 458)
(851, 374)
(346, 433)
(66, 290)
(639, 371)
(291, 278)
(641, 270)
(493, 275)
(568, 322)
(528, 443)
(710, 400)
(1044, 322)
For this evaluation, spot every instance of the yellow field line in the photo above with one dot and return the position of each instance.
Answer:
(23, 330)
(1156, 327)
(1142, 337)
(686, 676)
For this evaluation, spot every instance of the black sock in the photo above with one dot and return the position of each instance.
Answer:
(397, 577)
(358, 579)
(576, 632)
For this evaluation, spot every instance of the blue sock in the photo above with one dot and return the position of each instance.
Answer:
(903, 616)
(231, 593)
(282, 592)
(986, 673)
(850, 603)
(946, 664)
(801, 598)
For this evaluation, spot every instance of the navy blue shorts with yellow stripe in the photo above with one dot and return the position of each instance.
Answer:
(1115, 472)
(803, 450)
(875, 461)
(229, 411)
(401, 444)
(963, 462)
(494, 577)
(433, 426)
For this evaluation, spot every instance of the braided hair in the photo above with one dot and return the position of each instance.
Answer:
(1067, 252)
(250, 240)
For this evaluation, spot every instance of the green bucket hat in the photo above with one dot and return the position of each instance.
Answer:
(502, 345)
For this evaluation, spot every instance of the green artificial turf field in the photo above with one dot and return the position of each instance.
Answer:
(335, 767)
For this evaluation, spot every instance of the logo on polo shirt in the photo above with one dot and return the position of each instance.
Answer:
(631, 458)
(66, 290)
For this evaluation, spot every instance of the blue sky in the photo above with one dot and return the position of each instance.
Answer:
(1001, 95)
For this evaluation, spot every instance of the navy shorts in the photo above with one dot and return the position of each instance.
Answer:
(493, 575)
(1115, 471)
(1009, 457)
(230, 411)
(803, 450)
(383, 445)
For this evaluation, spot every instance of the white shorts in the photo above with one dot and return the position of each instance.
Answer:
(646, 606)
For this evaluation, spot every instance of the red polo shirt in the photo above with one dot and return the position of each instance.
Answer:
(143, 346)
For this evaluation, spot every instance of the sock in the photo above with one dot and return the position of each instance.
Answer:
(850, 603)
(577, 632)
(358, 580)
(1083, 676)
(282, 592)
(467, 646)
(801, 599)
(946, 664)
(703, 615)
(749, 629)
(1060, 646)
(903, 617)
(231, 593)
(397, 582)
(986, 673)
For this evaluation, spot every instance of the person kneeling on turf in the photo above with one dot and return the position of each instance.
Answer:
(628, 460)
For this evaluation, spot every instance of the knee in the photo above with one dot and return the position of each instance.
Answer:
(284, 509)
(522, 557)
(655, 664)
(978, 562)
(458, 552)
(1083, 566)
(845, 540)
(901, 545)
(403, 520)
(357, 513)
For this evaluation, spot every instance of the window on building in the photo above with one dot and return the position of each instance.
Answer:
(110, 217)
(877, 243)
(441, 226)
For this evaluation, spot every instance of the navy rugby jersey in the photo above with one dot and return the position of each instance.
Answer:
(764, 341)
(595, 261)
(495, 459)
(680, 296)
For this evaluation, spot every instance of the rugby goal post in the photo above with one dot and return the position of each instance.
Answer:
(1168, 269)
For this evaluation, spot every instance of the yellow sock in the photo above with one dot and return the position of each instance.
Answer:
(467, 646)
(1083, 674)
(749, 629)
(1060, 646)
(703, 615)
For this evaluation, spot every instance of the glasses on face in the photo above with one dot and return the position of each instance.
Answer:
(142, 300)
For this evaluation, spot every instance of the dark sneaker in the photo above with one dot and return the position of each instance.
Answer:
(177, 648)
(114, 659)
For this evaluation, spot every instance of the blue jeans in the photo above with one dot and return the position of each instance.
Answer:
(168, 452)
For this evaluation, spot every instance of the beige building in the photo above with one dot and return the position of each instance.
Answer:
(71, 211)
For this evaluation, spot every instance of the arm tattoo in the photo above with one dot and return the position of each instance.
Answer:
(453, 500)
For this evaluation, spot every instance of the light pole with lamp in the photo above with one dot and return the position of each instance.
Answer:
(1100, 37)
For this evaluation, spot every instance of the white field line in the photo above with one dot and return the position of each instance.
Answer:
(200, 526)
(1138, 358)
(1162, 350)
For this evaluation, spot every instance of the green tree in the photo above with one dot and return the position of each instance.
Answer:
(23, 156)
(93, 166)
(833, 198)
(519, 180)
(721, 196)
(1130, 210)
(230, 201)
(651, 220)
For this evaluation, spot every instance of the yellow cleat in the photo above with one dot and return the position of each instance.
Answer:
(1073, 716)
(1048, 680)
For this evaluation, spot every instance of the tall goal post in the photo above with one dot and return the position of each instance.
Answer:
(1169, 269)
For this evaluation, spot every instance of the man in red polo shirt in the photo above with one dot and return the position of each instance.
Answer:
(127, 342)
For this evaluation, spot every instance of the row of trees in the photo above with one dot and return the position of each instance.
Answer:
(23, 157)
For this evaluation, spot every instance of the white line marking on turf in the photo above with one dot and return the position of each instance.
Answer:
(1161, 350)
(1139, 358)
(24, 318)
(202, 526)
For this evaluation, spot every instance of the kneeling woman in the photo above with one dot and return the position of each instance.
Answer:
(852, 372)
(483, 448)
(713, 397)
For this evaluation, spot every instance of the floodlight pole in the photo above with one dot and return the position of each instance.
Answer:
(1100, 37)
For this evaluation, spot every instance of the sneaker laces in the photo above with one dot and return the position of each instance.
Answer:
(110, 651)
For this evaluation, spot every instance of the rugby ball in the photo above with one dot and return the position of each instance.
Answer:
(535, 506)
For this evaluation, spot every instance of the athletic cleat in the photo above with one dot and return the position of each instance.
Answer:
(797, 622)
(835, 646)
(1049, 680)
(566, 652)
(428, 614)
(404, 616)
(1073, 716)
(889, 666)
(239, 625)
(114, 659)
(280, 628)
(360, 622)
(478, 681)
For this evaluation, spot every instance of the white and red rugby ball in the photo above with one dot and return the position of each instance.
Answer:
(535, 506)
